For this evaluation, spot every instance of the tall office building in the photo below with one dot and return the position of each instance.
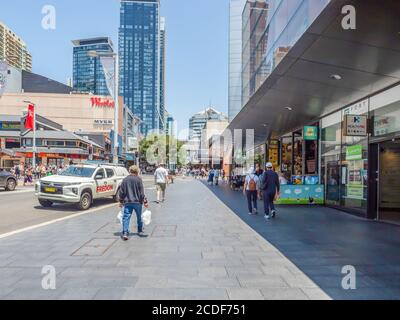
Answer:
(88, 74)
(139, 48)
(254, 46)
(162, 115)
(170, 126)
(235, 57)
(14, 50)
(198, 122)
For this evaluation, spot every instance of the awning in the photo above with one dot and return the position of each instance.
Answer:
(367, 59)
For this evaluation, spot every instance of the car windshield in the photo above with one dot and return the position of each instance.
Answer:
(74, 171)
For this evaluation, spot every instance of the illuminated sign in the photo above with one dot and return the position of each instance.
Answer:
(102, 103)
(310, 133)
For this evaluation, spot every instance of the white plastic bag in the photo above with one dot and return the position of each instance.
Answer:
(120, 215)
(146, 217)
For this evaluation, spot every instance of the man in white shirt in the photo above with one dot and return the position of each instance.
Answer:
(161, 180)
(252, 191)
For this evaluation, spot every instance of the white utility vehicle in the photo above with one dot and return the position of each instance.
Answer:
(81, 184)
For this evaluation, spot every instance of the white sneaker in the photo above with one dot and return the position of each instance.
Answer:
(250, 213)
(267, 217)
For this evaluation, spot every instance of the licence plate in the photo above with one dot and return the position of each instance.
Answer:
(51, 190)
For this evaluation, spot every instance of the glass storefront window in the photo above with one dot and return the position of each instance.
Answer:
(286, 157)
(354, 165)
(386, 120)
(298, 154)
(331, 140)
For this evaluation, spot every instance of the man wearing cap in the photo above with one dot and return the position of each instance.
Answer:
(270, 188)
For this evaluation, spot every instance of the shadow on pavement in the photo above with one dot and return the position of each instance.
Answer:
(61, 207)
(320, 241)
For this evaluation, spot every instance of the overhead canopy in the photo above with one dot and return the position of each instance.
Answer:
(367, 59)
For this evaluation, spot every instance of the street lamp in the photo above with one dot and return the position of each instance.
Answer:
(95, 54)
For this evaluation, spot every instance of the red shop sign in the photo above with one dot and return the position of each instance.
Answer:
(102, 103)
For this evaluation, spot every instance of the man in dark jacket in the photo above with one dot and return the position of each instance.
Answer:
(132, 197)
(270, 188)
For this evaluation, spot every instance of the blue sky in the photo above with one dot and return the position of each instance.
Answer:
(197, 44)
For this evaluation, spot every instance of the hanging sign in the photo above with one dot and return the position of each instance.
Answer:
(355, 125)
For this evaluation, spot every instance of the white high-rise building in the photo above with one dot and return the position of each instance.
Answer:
(235, 57)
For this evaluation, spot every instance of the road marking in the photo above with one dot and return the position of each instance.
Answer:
(9, 234)
(10, 193)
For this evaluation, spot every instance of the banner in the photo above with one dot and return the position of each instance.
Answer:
(27, 120)
(109, 73)
(3, 76)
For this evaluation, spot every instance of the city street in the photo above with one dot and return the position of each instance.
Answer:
(198, 248)
(20, 209)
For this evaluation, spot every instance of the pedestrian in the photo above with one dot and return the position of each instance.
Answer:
(259, 172)
(17, 172)
(252, 190)
(270, 188)
(132, 198)
(28, 176)
(211, 177)
(216, 176)
(161, 180)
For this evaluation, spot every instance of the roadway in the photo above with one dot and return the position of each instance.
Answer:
(20, 209)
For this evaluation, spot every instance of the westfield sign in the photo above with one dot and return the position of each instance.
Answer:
(102, 103)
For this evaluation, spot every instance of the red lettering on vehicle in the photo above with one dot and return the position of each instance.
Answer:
(104, 188)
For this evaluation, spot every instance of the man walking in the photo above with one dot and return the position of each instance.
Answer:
(270, 187)
(132, 198)
(161, 180)
(251, 191)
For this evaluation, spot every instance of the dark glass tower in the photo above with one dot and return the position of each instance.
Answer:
(88, 74)
(139, 60)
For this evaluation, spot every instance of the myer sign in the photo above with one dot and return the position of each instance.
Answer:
(103, 122)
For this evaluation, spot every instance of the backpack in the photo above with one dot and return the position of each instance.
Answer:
(252, 184)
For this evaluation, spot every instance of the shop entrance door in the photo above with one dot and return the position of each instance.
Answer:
(388, 193)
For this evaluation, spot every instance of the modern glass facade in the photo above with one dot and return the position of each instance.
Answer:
(88, 74)
(235, 57)
(139, 60)
(270, 29)
(162, 113)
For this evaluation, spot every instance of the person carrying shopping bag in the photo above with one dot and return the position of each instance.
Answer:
(132, 198)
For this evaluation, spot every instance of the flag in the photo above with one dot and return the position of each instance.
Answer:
(29, 121)
(109, 73)
(3, 76)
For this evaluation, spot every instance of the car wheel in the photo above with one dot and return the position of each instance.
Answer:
(45, 203)
(11, 185)
(86, 201)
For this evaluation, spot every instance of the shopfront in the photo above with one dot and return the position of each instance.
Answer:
(384, 146)
(360, 157)
(295, 158)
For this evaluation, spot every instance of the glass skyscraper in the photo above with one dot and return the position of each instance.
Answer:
(88, 74)
(162, 115)
(235, 57)
(139, 49)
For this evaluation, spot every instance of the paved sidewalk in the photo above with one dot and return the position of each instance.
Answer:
(197, 249)
(320, 241)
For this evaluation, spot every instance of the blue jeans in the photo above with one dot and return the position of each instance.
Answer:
(268, 198)
(126, 219)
